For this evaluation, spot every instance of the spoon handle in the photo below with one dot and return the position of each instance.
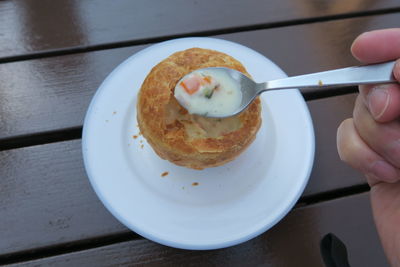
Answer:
(368, 74)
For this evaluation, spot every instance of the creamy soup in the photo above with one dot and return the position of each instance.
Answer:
(209, 93)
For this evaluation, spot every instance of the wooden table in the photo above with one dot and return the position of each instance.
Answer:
(54, 55)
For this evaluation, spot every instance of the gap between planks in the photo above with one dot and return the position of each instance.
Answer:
(66, 248)
(41, 138)
(127, 43)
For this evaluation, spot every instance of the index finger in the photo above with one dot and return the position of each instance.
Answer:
(377, 46)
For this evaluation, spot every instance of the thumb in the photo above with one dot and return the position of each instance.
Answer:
(383, 101)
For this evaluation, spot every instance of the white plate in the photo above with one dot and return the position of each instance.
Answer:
(232, 203)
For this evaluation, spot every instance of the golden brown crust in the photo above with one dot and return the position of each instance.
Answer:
(185, 139)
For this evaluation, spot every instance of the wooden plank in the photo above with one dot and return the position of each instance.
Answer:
(329, 172)
(45, 198)
(31, 26)
(293, 242)
(44, 189)
(53, 93)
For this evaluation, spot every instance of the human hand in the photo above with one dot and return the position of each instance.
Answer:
(370, 141)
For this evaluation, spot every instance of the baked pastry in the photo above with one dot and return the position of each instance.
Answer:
(185, 139)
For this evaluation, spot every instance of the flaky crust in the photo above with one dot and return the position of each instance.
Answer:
(190, 140)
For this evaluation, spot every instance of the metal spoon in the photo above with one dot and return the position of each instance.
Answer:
(368, 74)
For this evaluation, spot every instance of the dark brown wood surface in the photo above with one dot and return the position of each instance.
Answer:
(47, 186)
(292, 242)
(55, 54)
(45, 198)
(329, 173)
(50, 94)
(32, 26)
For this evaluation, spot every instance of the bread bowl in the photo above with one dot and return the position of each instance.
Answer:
(185, 139)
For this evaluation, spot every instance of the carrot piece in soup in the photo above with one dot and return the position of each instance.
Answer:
(191, 85)
(207, 79)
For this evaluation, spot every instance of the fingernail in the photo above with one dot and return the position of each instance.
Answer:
(396, 70)
(378, 101)
(384, 171)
